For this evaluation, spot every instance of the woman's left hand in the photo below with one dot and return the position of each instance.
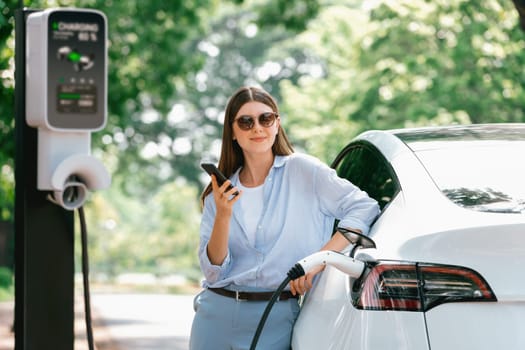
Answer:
(304, 283)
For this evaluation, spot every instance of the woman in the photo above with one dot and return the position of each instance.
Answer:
(284, 211)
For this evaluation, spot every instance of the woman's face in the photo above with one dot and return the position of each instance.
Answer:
(259, 138)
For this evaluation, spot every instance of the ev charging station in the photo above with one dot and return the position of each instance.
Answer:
(66, 99)
(60, 99)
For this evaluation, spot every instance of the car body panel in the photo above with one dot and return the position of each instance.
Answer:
(329, 321)
(485, 326)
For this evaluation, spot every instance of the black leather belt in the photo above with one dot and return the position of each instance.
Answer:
(252, 296)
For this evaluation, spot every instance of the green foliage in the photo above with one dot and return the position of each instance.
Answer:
(158, 236)
(292, 14)
(7, 195)
(446, 62)
(153, 48)
(6, 284)
(6, 277)
(408, 63)
(7, 149)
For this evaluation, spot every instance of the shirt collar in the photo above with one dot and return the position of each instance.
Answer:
(278, 162)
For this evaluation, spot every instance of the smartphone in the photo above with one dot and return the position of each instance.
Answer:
(212, 169)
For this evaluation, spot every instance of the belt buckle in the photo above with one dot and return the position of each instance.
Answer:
(237, 296)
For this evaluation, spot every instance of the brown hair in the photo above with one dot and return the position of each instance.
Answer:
(231, 153)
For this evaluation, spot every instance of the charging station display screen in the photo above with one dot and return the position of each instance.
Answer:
(76, 69)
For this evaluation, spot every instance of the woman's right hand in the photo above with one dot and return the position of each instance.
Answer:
(224, 198)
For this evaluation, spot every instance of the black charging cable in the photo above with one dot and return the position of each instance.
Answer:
(85, 278)
(294, 273)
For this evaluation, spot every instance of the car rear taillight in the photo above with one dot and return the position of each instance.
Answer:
(418, 286)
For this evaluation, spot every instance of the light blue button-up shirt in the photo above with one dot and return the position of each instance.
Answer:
(302, 198)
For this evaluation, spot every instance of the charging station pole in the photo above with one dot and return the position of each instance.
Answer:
(44, 237)
(60, 98)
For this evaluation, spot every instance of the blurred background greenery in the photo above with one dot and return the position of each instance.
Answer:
(337, 67)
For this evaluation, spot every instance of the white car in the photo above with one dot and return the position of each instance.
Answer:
(448, 269)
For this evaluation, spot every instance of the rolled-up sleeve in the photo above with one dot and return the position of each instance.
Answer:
(343, 200)
(212, 273)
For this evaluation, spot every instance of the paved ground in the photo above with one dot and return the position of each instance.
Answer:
(6, 321)
(102, 338)
(146, 321)
(124, 322)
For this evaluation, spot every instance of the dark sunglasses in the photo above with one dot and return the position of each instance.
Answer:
(246, 122)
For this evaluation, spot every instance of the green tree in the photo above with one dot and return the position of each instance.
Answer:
(414, 63)
(158, 236)
(7, 147)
